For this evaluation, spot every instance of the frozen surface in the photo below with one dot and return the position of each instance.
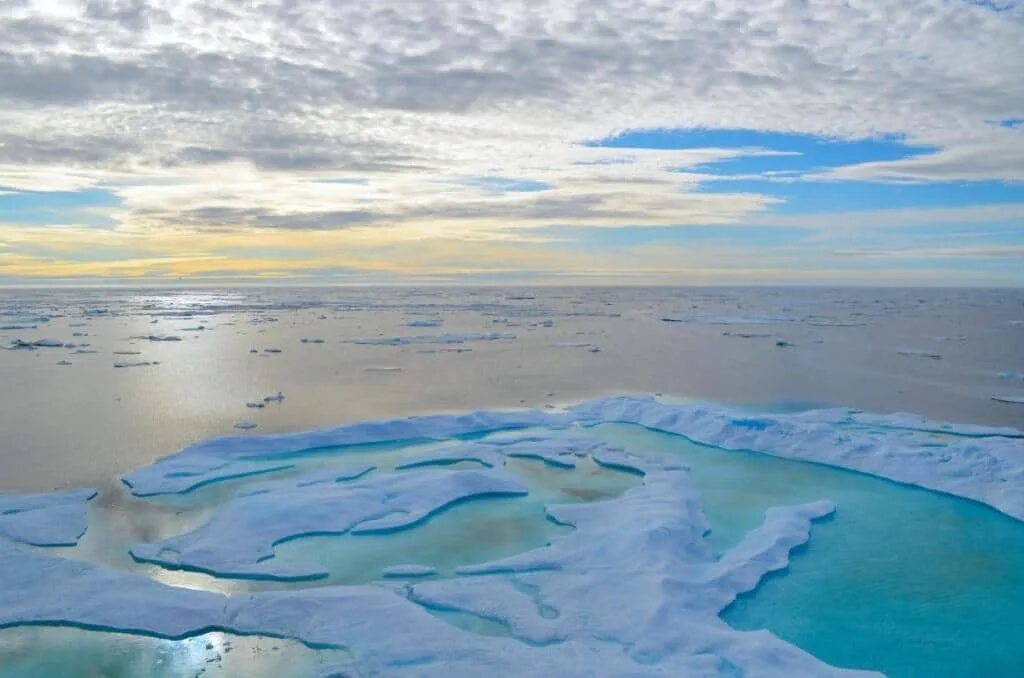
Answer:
(653, 588)
(56, 519)
(981, 463)
(239, 540)
(436, 339)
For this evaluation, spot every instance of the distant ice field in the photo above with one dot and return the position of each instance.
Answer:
(156, 370)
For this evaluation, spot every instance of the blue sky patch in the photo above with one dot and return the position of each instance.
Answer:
(49, 208)
(507, 185)
(795, 152)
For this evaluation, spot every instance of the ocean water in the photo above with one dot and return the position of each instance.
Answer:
(84, 423)
(900, 580)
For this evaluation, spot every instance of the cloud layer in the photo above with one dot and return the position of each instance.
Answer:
(416, 119)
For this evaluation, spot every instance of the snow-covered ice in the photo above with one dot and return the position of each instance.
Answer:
(239, 540)
(56, 519)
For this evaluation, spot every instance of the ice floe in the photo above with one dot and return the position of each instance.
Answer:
(239, 540)
(1012, 399)
(920, 354)
(55, 519)
(407, 571)
(728, 319)
(632, 590)
(38, 343)
(450, 338)
(981, 463)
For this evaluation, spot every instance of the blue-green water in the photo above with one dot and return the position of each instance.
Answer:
(902, 580)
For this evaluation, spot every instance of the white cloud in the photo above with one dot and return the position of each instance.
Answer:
(231, 109)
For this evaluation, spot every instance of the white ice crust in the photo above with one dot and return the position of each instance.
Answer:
(56, 519)
(985, 464)
(239, 540)
(633, 590)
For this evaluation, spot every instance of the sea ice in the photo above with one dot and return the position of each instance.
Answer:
(239, 539)
(729, 319)
(632, 590)
(920, 354)
(55, 519)
(435, 339)
(407, 571)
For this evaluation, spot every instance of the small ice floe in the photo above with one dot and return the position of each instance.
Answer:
(256, 404)
(83, 351)
(197, 328)
(64, 362)
(782, 343)
(79, 334)
(127, 352)
(747, 335)
(409, 571)
(160, 337)
(728, 319)
(17, 327)
(254, 350)
(1012, 399)
(435, 339)
(920, 354)
(836, 323)
(425, 323)
(271, 350)
(274, 398)
(382, 369)
(38, 343)
(140, 363)
(245, 425)
(312, 341)
(577, 344)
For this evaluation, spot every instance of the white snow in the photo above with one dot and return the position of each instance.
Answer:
(633, 590)
(56, 519)
(406, 571)
(239, 540)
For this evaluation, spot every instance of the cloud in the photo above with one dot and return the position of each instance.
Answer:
(224, 115)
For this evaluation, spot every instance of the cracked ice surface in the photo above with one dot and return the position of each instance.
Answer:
(653, 593)
(981, 463)
(632, 589)
(56, 519)
(239, 540)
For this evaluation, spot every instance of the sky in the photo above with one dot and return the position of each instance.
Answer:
(528, 142)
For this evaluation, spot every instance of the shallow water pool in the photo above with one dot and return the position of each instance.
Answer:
(901, 580)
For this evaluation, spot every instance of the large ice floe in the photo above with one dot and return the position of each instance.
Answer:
(628, 587)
